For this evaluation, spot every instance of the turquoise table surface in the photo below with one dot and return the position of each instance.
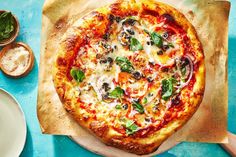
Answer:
(25, 91)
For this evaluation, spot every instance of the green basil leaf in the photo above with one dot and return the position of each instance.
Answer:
(157, 39)
(130, 127)
(78, 75)
(6, 25)
(138, 107)
(135, 45)
(171, 45)
(144, 100)
(125, 64)
(173, 80)
(167, 88)
(116, 93)
(118, 107)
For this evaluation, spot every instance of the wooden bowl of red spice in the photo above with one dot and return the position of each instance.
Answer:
(9, 27)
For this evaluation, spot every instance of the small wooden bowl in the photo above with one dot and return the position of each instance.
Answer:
(15, 32)
(30, 63)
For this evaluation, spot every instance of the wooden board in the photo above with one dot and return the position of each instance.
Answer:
(91, 143)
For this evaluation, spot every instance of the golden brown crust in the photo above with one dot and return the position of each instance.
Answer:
(77, 36)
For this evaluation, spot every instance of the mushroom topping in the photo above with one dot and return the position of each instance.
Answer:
(124, 38)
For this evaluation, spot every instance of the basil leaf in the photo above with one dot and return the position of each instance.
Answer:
(125, 64)
(130, 127)
(171, 45)
(135, 45)
(116, 93)
(173, 80)
(78, 75)
(6, 25)
(138, 107)
(118, 107)
(157, 39)
(145, 100)
(167, 88)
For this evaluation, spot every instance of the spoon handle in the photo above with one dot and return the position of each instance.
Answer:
(231, 146)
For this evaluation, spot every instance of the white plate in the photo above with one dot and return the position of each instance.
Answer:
(12, 126)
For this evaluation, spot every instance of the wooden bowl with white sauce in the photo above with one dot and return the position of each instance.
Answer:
(16, 59)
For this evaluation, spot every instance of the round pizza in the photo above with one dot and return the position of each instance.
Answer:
(132, 73)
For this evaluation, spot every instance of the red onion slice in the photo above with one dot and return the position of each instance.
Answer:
(190, 75)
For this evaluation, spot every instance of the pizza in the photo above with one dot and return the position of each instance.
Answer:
(132, 73)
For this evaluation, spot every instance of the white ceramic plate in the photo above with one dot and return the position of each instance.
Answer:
(12, 126)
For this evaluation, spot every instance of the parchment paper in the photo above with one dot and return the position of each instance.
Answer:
(210, 18)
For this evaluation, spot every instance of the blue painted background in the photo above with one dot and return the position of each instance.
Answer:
(25, 91)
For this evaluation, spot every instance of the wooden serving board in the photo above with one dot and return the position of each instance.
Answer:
(94, 145)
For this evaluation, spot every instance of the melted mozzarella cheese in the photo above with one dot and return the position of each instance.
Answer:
(88, 97)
